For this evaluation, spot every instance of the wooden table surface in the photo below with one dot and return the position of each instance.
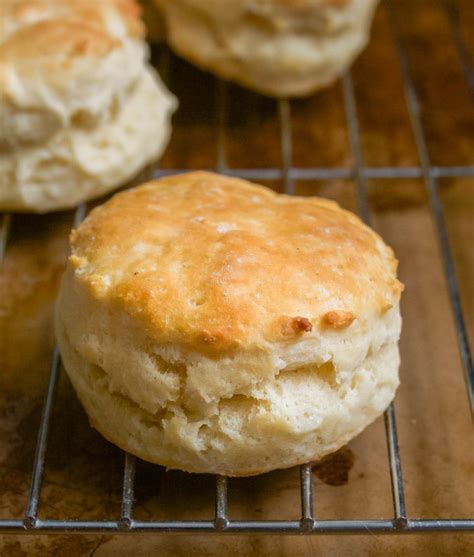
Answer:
(83, 472)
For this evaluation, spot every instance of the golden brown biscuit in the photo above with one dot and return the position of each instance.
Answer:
(211, 325)
(70, 71)
(282, 48)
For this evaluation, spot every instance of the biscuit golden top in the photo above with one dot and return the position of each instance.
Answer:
(97, 14)
(216, 263)
(43, 39)
(63, 41)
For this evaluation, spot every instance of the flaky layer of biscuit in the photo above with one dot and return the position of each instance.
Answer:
(80, 162)
(201, 416)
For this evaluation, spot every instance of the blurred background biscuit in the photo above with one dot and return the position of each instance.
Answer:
(282, 48)
(81, 109)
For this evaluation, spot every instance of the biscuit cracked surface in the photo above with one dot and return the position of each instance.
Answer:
(81, 110)
(281, 48)
(212, 325)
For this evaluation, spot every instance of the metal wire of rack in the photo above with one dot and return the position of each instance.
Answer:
(399, 523)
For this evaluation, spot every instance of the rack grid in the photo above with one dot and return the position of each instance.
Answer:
(399, 523)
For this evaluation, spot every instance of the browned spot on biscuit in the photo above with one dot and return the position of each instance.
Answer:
(338, 319)
(296, 325)
(218, 339)
(301, 324)
(208, 337)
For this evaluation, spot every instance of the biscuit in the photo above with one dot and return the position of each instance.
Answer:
(281, 48)
(212, 325)
(71, 74)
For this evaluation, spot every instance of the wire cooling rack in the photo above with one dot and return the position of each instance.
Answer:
(399, 523)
